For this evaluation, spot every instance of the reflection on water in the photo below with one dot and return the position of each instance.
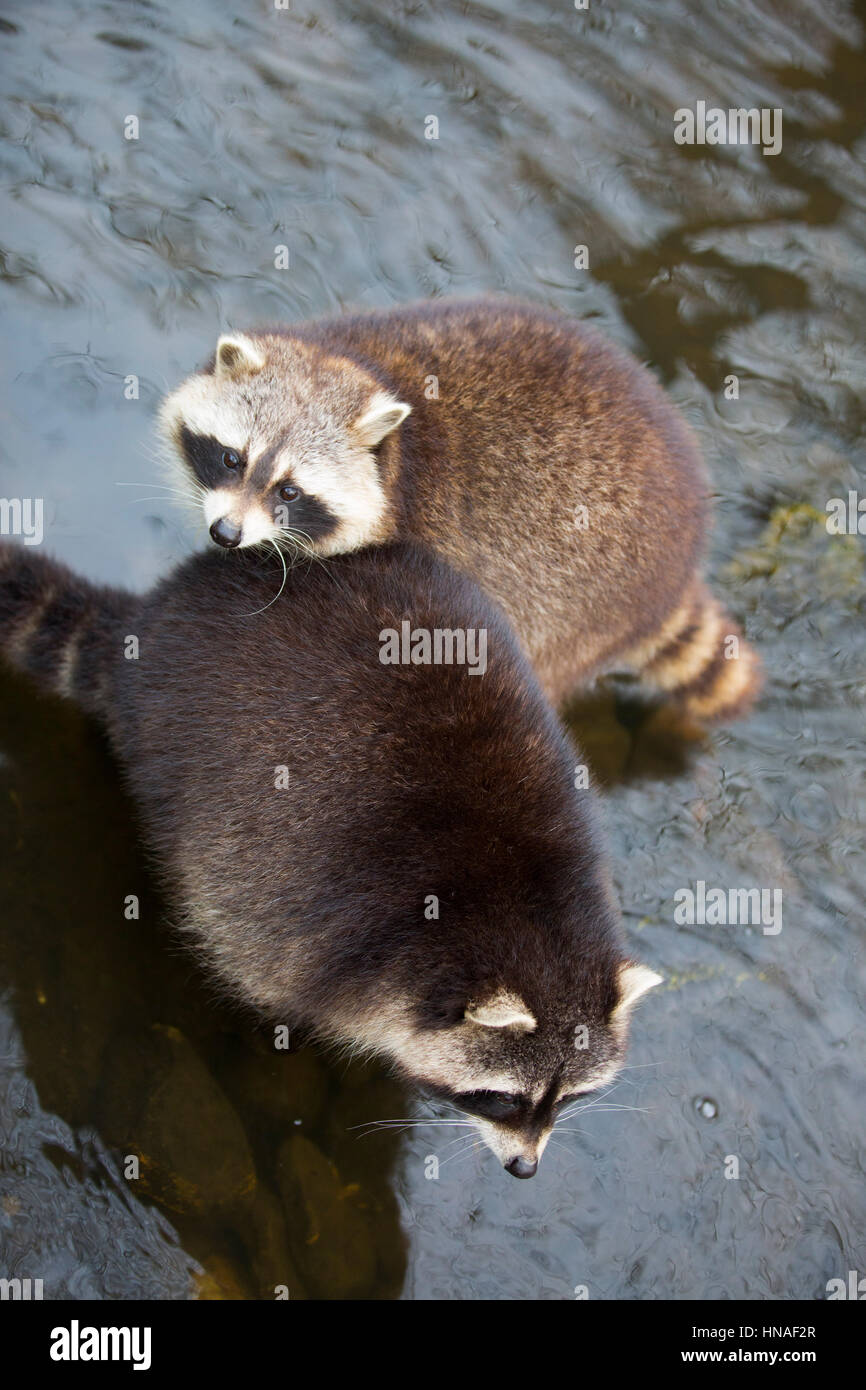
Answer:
(123, 258)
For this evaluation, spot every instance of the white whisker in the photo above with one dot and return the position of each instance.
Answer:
(469, 1147)
(256, 611)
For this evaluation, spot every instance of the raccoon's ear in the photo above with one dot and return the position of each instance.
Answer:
(633, 981)
(503, 1011)
(237, 355)
(383, 414)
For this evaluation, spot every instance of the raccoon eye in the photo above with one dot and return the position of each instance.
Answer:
(231, 459)
(289, 493)
(494, 1105)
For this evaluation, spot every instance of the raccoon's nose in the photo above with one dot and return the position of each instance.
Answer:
(521, 1167)
(224, 532)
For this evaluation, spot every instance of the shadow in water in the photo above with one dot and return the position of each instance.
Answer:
(649, 283)
(248, 1147)
(626, 738)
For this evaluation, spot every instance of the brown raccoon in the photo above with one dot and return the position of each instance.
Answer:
(521, 446)
(392, 855)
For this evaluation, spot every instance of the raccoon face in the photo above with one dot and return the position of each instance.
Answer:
(279, 441)
(514, 1069)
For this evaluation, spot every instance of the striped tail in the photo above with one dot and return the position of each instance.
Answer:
(702, 661)
(61, 631)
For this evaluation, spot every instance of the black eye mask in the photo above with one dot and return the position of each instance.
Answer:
(491, 1105)
(307, 515)
(205, 456)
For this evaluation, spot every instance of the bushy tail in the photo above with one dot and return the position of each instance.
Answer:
(61, 631)
(703, 662)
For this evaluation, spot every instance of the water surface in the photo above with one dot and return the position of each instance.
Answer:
(305, 128)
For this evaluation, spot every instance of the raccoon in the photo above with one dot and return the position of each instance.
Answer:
(518, 444)
(391, 856)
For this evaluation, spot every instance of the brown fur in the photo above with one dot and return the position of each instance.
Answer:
(536, 417)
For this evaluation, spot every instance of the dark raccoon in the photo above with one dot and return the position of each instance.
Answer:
(394, 856)
(518, 444)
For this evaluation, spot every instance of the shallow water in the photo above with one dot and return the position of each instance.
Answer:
(261, 128)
